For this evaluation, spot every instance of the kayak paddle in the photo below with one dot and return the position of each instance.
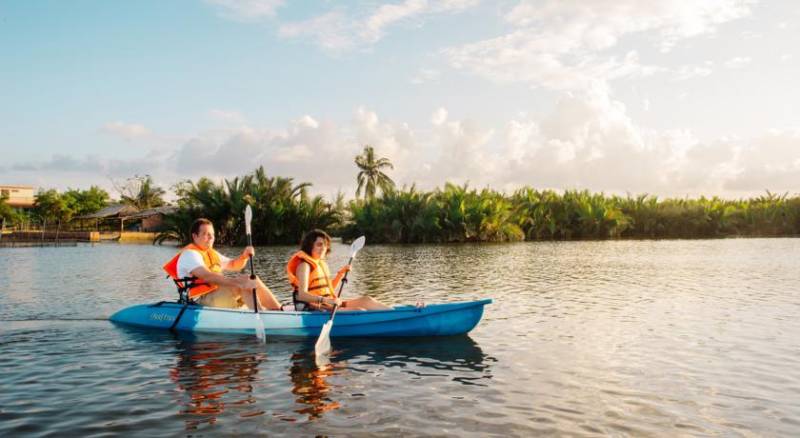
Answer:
(248, 216)
(323, 345)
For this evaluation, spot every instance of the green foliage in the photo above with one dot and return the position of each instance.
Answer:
(51, 206)
(282, 211)
(458, 214)
(86, 201)
(9, 214)
(452, 214)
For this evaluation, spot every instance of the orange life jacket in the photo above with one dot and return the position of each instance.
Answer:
(319, 279)
(210, 260)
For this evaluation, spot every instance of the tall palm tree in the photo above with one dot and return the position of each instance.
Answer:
(370, 175)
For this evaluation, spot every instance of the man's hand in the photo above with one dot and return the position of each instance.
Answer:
(244, 282)
(248, 252)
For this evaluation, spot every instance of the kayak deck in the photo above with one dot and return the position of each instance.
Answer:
(432, 320)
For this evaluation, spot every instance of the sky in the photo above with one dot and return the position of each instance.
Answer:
(668, 97)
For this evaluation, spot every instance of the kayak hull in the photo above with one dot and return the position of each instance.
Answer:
(432, 320)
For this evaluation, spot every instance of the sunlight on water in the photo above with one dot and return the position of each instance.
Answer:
(583, 338)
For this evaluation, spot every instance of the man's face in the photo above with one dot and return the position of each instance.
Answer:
(204, 237)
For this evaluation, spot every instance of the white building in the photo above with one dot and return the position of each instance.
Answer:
(18, 196)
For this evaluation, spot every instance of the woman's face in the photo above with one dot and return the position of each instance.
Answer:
(320, 248)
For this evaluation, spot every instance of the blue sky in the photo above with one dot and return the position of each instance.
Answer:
(672, 97)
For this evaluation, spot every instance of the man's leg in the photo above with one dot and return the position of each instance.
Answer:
(266, 299)
(229, 298)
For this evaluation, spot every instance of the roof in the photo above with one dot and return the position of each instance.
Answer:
(113, 210)
(167, 209)
(3, 186)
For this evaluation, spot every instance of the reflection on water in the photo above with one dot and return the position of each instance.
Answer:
(220, 374)
(213, 375)
(309, 384)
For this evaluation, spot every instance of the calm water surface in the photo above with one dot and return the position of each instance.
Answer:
(640, 338)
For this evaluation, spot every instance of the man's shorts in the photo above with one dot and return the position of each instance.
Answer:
(226, 297)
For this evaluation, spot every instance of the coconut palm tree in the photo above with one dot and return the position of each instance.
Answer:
(371, 176)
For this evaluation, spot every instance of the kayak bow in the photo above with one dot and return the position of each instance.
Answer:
(431, 320)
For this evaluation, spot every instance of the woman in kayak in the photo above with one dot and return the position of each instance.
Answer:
(310, 278)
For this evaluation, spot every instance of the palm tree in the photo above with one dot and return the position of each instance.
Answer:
(371, 174)
(141, 192)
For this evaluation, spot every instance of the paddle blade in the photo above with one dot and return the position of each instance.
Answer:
(323, 345)
(248, 217)
(356, 246)
(260, 329)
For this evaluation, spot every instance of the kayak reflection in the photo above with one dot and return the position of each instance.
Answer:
(223, 378)
(309, 384)
(213, 376)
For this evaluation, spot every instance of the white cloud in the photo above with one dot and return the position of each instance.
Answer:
(587, 140)
(128, 131)
(247, 10)
(338, 30)
(388, 14)
(227, 117)
(439, 116)
(692, 71)
(563, 44)
(786, 57)
(425, 75)
(738, 62)
(331, 31)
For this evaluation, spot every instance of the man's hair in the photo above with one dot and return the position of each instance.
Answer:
(199, 223)
(307, 244)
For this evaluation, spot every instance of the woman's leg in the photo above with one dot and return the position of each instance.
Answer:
(365, 303)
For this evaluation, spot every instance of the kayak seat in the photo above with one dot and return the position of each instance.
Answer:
(183, 285)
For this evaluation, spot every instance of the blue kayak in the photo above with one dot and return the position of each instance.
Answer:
(431, 320)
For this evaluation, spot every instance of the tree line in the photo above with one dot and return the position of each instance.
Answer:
(284, 210)
(460, 214)
(54, 207)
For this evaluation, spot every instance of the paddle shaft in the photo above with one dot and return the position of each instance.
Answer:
(341, 286)
(252, 273)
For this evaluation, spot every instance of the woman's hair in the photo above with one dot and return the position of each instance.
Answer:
(307, 244)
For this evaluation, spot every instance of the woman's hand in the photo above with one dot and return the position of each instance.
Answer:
(248, 252)
(345, 269)
(331, 301)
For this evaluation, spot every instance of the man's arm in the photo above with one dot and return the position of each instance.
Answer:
(240, 262)
(210, 277)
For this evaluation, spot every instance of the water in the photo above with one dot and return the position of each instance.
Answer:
(637, 338)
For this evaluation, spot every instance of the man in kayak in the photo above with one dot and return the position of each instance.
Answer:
(310, 278)
(201, 263)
